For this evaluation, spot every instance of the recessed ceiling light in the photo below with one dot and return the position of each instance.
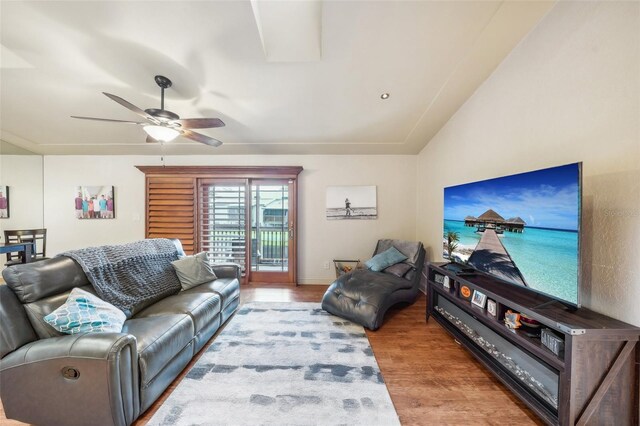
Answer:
(384, 96)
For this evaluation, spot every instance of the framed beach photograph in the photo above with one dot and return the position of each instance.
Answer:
(351, 202)
(479, 299)
(94, 202)
(4, 202)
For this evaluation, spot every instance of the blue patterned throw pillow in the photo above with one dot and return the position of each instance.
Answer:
(84, 312)
(385, 259)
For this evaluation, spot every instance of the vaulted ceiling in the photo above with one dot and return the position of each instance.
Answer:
(287, 77)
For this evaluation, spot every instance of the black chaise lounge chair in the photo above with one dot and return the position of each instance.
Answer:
(363, 296)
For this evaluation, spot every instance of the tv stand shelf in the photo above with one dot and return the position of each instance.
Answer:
(595, 380)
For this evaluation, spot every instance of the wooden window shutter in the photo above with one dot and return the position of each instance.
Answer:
(171, 210)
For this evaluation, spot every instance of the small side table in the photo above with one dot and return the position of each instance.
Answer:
(344, 266)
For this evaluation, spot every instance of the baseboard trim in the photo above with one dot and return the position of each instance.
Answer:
(315, 281)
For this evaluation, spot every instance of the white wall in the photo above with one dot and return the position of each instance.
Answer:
(23, 175)
(62, 174)
(319, 240)
(569, 92)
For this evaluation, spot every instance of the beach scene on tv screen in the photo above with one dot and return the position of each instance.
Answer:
(521, 228)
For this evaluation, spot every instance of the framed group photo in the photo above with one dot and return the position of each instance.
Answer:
(4, 202)
(94, 202)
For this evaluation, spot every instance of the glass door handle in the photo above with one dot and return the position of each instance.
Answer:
(291, 232)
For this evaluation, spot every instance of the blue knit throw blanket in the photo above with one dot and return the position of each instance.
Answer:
(130, 276)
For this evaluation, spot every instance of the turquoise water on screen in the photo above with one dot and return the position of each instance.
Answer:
(547, 258)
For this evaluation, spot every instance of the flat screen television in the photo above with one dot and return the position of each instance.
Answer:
(523, 229)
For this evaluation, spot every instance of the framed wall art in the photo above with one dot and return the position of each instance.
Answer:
(94, 202)
(4, 202)
(479, 299)
(492, 308)
(351, 202)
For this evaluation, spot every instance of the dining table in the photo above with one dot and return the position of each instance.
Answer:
(25, 248)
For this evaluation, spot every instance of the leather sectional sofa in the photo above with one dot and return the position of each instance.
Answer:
(98, 378)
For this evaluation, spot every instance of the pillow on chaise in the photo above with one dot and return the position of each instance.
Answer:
(85, 312)
(194, 270)
(409, 275)
(399, 269)
(385, 259)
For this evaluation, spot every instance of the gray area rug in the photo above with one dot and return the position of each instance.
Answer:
(283, 364)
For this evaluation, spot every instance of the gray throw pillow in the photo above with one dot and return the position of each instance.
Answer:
(193, 270)
(410, 274)
(399, 269)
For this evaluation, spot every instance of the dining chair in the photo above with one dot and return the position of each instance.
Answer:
(36, 236)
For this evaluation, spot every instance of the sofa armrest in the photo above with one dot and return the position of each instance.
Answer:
(79, 379)
(227, 270)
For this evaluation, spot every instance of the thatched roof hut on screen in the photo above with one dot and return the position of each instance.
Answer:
(492, 220)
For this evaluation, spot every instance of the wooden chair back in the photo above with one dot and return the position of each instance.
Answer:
(36, 236)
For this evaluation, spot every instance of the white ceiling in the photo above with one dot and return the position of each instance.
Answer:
(285, 78)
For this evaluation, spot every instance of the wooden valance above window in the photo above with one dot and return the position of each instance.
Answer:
(244, 172)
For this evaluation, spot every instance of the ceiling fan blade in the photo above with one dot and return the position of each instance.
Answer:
(200, 138)
(107, 119)
(131, 107)
(200, 123)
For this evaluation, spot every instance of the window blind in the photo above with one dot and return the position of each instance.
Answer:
(222, 221)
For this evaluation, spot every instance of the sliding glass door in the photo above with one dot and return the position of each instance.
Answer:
(250, 222)
(272, 230)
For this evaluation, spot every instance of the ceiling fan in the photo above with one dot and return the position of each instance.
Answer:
(163, 125)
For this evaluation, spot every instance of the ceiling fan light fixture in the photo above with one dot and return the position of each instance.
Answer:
(163, 125)
(161, 133)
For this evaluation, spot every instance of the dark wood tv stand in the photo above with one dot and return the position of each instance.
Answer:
(594, 381)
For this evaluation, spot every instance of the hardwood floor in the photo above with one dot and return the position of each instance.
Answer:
(430, 378)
